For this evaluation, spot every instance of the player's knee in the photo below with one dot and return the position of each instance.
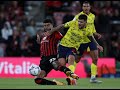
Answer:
(95, 60)
(38, 80)
(62, 61)
(78, 58)
(42, 74)
(77, 61)
(55, 65)
(94, 56)
(71, 59)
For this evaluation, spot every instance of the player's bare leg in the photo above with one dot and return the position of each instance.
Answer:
(39, 79)
(62, 61)
(72, 65)
(78, 58)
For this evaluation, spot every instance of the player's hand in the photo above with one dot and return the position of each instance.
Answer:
(38, 39)
(100, 48)
(99, 35)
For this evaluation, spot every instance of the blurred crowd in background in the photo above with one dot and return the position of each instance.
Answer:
(17, 33)
(18, 28)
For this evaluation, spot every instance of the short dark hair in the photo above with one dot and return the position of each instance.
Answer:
(48, 21)
(83, 16)
(86, 2)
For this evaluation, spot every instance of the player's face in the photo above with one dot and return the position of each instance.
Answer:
(86, 7)
(47, 26)
(81, 23)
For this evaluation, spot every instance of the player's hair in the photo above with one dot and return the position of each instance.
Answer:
(83, 16)
(48, 21)
(86, 2)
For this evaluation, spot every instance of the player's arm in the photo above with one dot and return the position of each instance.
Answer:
(98, 35)
(94, 30)
(95, 33)
(95, 40)
(39, 35)
(98, 46)
(58, 28)
(76, 16)
(38, 39)
(91, 38)
(40, 32)
(62, 26)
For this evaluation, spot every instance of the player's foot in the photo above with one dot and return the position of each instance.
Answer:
(71, 74)
(71, 81)
(94, 80)
(68, 81)
(58, 83)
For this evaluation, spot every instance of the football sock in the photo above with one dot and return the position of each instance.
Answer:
(93, 70)
(75, 63)
(64, 69)
(42, 81)
(71, 67)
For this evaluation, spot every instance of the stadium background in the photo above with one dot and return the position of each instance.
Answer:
(24, 18)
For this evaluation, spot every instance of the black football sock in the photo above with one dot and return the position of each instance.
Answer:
(64, 69)
(44, 81)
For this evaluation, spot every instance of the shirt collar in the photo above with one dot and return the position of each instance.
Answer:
(85, 13)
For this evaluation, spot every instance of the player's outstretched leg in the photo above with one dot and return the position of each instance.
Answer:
(42, 81)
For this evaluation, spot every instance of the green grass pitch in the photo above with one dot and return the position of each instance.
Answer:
(25, 83)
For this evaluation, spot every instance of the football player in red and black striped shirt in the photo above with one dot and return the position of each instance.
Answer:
(48, 53)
